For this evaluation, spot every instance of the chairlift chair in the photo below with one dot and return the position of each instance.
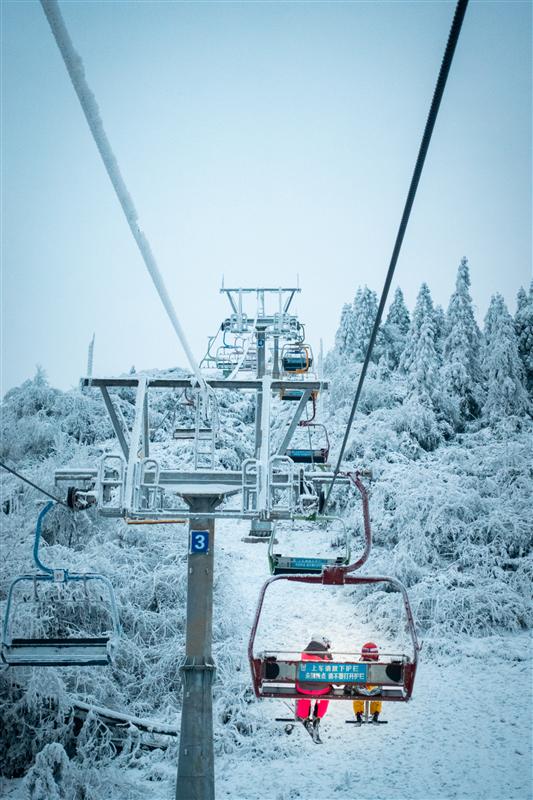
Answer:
(296, 359)
(57, 651)
(275, 674)
(225, 360)
(312, 455)
(290, 565)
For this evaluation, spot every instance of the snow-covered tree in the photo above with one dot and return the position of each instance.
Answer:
(419, 360)
(395, 330)
(439, 318)
(365, 308)
(345, 336)
(524, 331)
(502, 366)
(461, 370)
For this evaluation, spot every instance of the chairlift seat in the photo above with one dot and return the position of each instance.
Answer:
(189, 433)
(57, 651)
(81, 652)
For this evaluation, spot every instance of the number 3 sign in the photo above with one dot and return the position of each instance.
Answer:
(199, 542)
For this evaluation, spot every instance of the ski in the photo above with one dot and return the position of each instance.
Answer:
(366, 722)
(291, 723)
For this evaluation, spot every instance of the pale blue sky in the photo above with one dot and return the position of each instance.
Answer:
(259, 140)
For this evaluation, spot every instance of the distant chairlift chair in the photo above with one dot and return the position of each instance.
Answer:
(290, 565)
(312, 454)
(57, 651)
(296, 359)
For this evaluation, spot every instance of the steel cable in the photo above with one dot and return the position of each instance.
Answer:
(76, 72)
(424, 146)
(34, 485)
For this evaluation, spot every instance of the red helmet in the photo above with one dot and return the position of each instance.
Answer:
(369, 652)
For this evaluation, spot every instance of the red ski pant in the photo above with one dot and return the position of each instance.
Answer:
(303, 708)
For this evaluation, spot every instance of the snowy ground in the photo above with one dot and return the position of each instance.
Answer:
(466, 734)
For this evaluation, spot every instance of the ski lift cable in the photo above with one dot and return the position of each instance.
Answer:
(34, 485)
(76, 71)
(424, 146)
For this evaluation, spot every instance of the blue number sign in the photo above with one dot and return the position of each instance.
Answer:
(199, 542)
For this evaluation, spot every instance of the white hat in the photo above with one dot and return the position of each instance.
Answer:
(319, 638)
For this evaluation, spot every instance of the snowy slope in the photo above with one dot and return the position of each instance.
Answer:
(462, 736)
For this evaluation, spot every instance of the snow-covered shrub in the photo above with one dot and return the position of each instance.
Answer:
(52, 776)
(418, 420)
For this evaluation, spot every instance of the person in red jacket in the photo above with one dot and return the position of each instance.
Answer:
(318, 649)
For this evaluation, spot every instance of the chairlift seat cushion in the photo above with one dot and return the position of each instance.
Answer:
(59, 652)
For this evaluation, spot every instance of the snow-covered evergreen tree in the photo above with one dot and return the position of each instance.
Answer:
(524, 332)
(502, 366)
(365, 308)
(419, 360)
(345, 336)
(439, 319)
(461, 370)
(395, 330)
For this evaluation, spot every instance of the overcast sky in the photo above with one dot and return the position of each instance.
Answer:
(259, 140)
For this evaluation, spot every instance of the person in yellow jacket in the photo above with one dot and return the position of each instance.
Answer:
(369, 652)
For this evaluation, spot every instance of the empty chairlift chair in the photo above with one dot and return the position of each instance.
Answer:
(305, 565)
(296, 359)
(62, 649)
(315, 450)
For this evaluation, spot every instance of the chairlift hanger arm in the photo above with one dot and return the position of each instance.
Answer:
(354, 477)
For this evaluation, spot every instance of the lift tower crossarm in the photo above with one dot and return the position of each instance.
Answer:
(256, 289)
(132, 382)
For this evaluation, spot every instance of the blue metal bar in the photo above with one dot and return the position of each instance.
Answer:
(36, 543)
